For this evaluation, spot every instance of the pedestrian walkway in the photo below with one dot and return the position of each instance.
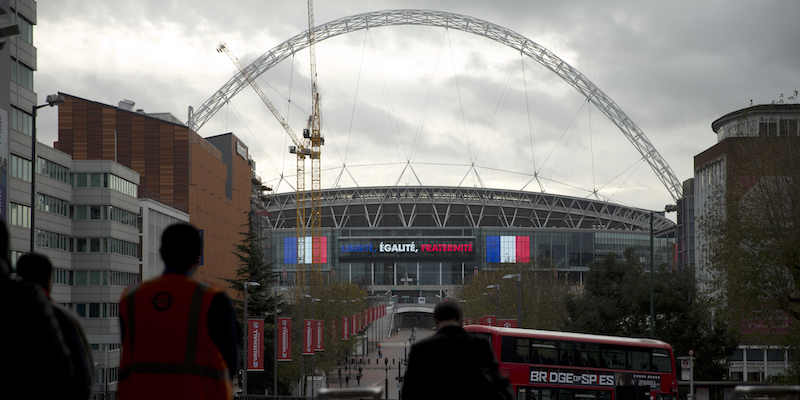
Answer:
(376, 371)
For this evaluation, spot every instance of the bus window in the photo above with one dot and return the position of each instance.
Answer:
(523, 348)
(522, 392)
(566, 353)
(661, 361)
(588, 355)
(508, 349)
(544, 351)
(639, 360)
(613, 357)
(566, 394)
(585, 394)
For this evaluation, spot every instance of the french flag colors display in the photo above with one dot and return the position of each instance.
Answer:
(508, 249)
(290, 255)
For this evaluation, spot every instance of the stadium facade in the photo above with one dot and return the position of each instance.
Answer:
(420, 242)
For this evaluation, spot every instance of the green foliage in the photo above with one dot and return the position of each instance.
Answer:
(542, 295)
(616, 301)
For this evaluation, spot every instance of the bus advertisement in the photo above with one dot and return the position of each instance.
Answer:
(546, 365)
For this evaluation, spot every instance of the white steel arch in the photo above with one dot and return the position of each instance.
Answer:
(462, 23)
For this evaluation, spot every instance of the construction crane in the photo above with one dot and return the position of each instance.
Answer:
(302, 148)
(317, 141)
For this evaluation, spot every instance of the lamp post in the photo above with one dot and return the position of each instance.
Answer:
(105, 379)
(52, 100)
(244, 348)
(302, 367)
(519, 296)
(496, 288)
(667, 208)
(275, 338)
(313, 369)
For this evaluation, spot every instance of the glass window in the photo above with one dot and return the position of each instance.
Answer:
(775, 355)
(661, 361)
(80, 180)
(80, 212)
(544, 352)
(639, 360)
(613, 357)
(522, 351)
(81, 245)
(80, 277)
(94, 245)
(588, 355)
(94, 212)
(80, 309)
(94, 277)
(94, 310)
(96, 180)
(755, 355)
(566, 353)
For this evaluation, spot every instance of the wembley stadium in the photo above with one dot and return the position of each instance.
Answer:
(425, 241)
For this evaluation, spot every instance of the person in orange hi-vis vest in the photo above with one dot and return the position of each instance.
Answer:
(180, 338)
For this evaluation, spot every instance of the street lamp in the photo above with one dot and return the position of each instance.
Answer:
(667, 208)
(497, 291)
(519, 296)
(52, 100)
(302, 367)
(313, 369)
(105, 378)
(275, 337)
(244, 349)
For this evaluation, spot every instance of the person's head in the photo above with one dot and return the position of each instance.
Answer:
(181, 245)
(5, 268)
(447, 312)
(35, 268)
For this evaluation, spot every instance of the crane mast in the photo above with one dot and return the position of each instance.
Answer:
(316, 146)
(300, 148)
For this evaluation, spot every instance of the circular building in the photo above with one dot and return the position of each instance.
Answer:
(420, 242)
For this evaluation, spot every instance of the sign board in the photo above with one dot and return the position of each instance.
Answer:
(308, 337)
(319, 335)
(420, 300)
(685, 364)
(507, 323)
(285, 339)
(255, 344)
(489, 320)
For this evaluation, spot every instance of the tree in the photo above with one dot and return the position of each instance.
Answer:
(616, 301)
(260, 302)
(542, 295)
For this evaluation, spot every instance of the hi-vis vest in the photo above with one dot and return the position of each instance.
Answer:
(167, 352)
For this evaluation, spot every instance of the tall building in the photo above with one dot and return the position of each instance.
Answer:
(748, 140)
(210, 179)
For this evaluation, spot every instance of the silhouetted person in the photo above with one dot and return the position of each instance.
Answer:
(452, 364)
(36, 362)
(37, 269)
(179, 334)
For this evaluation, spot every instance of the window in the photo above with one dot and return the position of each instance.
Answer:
(613, 357)
(25, 26)
(20, 215)
(95, 180)
(80, 245)
(20, 168)
(80, 278)
(52, 240)
(52, 205)
(94, 277)
(80, 309)
(94, 310)
(94, 212)
(52, 170)
(544, 352)
(21, 74)
(94, 245)
(21, 120)
(80, 181)
(661, 361)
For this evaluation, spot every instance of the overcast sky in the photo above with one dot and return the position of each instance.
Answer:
(441, 99)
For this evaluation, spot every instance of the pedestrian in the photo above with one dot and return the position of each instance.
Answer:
(37, 269)
(180, 338)
(453, 364)
(31, 339)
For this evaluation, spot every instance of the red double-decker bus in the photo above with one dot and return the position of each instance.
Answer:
(546, 365)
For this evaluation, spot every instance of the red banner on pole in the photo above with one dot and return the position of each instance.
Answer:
(308, 337)
(507, 323)
(354, 329)
(319, 335)
(255, 344)
(284, 339)
(487, 320)
(345, 328)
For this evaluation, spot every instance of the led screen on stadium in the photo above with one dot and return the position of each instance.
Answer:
(290, 250)
(508, 249)
(407, 249)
